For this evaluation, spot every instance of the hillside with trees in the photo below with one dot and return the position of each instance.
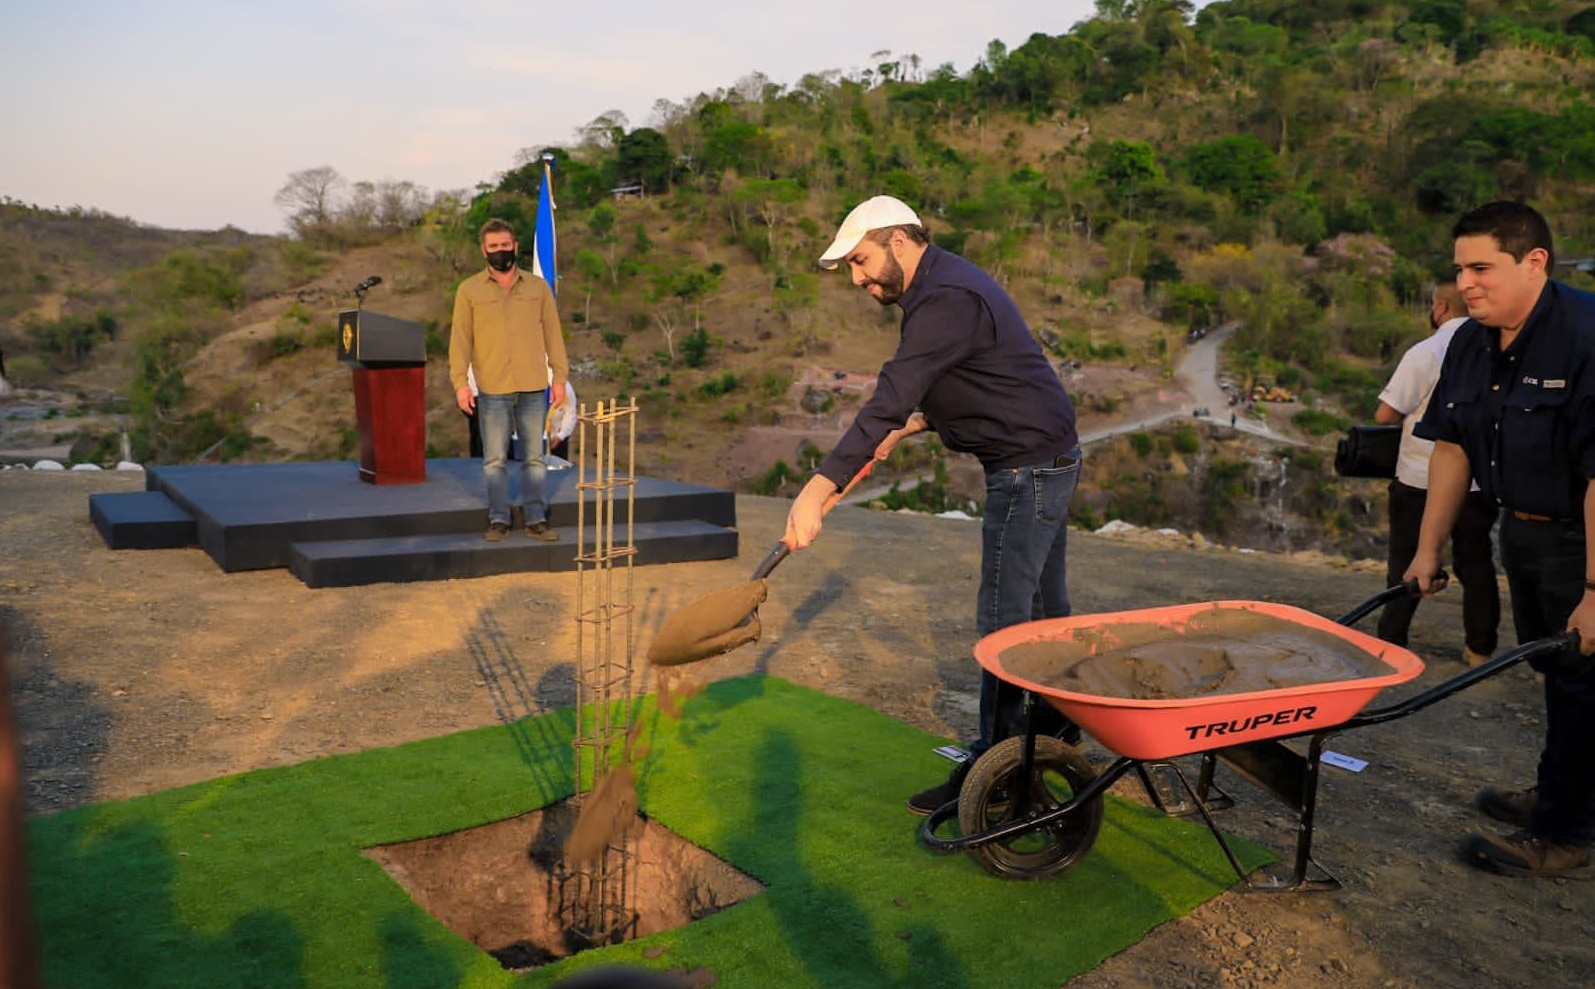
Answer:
(1291, 168)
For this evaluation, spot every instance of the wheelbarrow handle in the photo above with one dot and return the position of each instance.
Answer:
(1392, 593)
(1550, 645)
(782, 549)
(1573, 659)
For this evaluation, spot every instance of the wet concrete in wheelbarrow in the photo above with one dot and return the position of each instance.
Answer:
(1215, 651)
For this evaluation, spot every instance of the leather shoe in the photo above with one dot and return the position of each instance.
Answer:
(542, 530)
(1523, 854)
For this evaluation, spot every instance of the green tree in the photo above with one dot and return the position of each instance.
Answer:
(1582, 23)
(580, 182)
(1195, 306)
(677, 292)
(1448, 188)
(1238, 165)
(158, 388)
(903, 184)
(591, 270)
(729, 143)
(695, 348)
(72, 339)
(601, 223)
(643, 156)
(1128, 171)
(1160, 268)
(775, 202)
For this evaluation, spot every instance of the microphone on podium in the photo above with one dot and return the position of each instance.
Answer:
(365, 286)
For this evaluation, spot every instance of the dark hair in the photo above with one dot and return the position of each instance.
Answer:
(495, 226)
(1517, 228)
(913, 231)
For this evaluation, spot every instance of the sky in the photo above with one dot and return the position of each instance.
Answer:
(191, 114)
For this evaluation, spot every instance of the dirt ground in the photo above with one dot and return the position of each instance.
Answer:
(138, 671)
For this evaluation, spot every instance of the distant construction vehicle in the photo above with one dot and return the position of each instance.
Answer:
(1272, 393)
(1262, 391)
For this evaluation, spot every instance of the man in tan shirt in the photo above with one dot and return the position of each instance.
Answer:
(506, 331)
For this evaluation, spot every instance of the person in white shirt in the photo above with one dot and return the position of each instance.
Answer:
(1404, 400)
(561, 423)
(470, 420)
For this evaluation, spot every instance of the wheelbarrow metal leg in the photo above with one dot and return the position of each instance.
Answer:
(1299, 880)
(1168, 793)
(1292, 779)
(1209, 791)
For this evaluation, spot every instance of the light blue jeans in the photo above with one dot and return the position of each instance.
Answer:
(526, 410)
(1024, 544)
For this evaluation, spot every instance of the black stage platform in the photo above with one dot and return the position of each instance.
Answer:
(333, 530)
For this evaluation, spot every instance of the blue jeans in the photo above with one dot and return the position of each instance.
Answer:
(1544, 564)
(495, 413)
(1024, 543)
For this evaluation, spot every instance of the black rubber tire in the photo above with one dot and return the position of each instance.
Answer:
(1059, 772)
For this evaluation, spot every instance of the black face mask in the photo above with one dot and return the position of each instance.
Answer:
(501, 260)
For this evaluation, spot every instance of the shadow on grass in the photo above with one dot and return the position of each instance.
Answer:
(138, 935)
(825, 929)
(409, 961)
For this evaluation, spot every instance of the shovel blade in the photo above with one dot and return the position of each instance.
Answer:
(714, 624)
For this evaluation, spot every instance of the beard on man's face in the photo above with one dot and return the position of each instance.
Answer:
(890, 282)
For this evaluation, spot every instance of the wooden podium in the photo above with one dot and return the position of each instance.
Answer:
(387, 356)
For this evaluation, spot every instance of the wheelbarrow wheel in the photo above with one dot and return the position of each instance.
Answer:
(1057, 774)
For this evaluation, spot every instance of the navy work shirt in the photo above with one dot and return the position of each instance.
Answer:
(1525, 416)
(966, 360)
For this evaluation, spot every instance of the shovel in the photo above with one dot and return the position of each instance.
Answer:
(720, 622)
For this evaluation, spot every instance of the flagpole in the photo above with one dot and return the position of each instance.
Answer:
(545, 240)
(545, 257)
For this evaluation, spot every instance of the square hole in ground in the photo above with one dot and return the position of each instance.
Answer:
(497, 885)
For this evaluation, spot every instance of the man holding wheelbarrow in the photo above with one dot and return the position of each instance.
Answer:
(968, 367)
(1514, 412)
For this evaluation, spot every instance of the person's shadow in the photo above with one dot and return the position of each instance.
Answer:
(822, 924)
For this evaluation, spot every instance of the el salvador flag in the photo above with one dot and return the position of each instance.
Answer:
(543, 240)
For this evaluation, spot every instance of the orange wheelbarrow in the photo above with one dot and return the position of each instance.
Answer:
(1031, 806)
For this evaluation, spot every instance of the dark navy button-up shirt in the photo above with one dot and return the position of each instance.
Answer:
(1525, 416)
(966, 360)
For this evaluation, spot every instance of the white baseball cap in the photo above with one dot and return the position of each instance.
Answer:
(871, 214)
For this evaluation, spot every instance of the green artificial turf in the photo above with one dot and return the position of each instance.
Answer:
(258, 880)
